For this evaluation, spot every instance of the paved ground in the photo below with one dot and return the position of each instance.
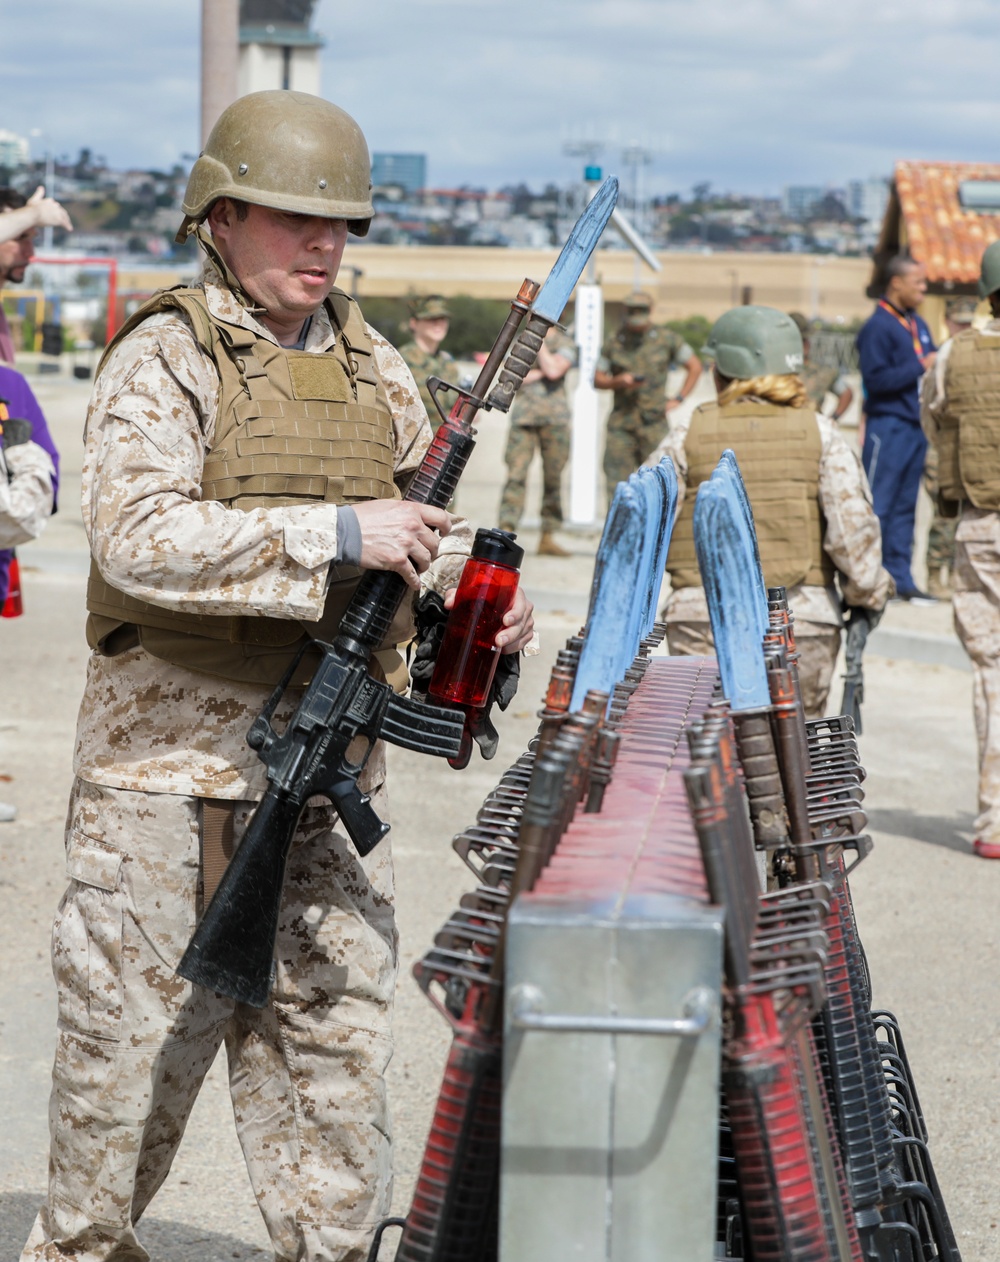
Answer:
(924, 904)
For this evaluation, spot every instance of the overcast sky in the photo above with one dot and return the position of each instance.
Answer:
(748, 94)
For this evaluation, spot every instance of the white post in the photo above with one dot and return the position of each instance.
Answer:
(588, 323)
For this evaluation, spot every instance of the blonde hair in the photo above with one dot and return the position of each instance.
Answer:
(786, 390)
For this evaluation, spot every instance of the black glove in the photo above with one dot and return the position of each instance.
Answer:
(431, 618)
(14, 431)
(872, 617)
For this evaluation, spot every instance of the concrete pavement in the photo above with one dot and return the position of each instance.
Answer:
(925, 905)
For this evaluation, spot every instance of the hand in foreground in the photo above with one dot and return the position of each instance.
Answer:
(518, 622)
(400, 535)
(50, 213)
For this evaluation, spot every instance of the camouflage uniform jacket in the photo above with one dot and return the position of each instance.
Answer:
(145, 724)
(852, 538)
(651, 354)
(544, 402)
(26, 473)
(423, 365)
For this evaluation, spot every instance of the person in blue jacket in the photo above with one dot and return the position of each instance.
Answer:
(895, 349)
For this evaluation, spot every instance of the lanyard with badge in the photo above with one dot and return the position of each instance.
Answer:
(909, 323)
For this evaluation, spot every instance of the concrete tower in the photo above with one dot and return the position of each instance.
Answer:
(277, 48)
(220, 49)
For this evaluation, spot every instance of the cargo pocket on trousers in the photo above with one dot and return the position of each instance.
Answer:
(87, 939)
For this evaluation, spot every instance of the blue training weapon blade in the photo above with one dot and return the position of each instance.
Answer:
(726, 543)
(604, 657)
(555, 293)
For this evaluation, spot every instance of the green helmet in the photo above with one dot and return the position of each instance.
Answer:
(755, 342)
(989, 271)
(288, 151)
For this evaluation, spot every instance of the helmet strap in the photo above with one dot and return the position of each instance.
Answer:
(204, 238)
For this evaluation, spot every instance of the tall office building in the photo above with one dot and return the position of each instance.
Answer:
(407, 171)
(797, 200)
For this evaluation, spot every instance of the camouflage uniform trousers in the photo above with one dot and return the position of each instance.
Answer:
(976, 602)
(552, 442)
(817, 658)
(630, 438)
(135, 1040)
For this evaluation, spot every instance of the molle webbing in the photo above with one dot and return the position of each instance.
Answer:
(291, 428)
(968, 439)
(778, 449)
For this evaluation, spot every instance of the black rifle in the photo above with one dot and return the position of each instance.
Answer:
(342, 713)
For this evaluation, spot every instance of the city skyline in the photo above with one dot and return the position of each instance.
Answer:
(494, 101)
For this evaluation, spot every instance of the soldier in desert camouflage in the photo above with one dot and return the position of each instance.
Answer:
(815, 524)
(960, 412)
(246, 444)
(540, 420)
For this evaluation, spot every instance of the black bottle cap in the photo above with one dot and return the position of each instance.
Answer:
(498, 547)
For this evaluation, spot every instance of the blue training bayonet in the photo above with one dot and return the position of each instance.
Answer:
(552, 298)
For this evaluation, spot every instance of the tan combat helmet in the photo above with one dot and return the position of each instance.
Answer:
(288, 151)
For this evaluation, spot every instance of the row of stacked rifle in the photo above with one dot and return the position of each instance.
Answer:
(822, 1146)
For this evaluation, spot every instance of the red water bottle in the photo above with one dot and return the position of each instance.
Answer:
(468, 657)
(13, 606)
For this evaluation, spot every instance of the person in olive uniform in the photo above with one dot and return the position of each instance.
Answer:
(634, 363)
(821, 379)
(540, 419)
(423, 354)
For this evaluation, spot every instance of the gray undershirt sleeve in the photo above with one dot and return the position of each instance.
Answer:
(348, 536)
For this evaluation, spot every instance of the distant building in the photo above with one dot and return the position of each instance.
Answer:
(277, 48)
(13, 150)
(798, 200)
(867, 199)
(407, 171)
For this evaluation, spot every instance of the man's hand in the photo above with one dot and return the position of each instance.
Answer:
(518, 622)
(928, 361)
(400, 535)
(48, 212)
(672, 404)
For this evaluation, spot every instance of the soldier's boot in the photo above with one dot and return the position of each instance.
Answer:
(547, 546)
(937, 584)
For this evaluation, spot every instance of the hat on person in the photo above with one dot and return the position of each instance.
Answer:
(433, 307)
(960, 310)
(801, 323)
(638, 301)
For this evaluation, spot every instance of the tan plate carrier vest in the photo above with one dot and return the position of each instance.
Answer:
(778, 450)
(968, 439)
(291, 427)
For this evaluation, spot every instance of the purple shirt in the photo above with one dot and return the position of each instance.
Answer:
(21, 403)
